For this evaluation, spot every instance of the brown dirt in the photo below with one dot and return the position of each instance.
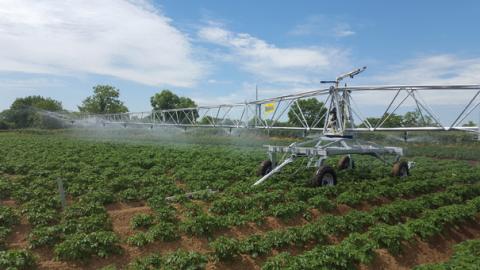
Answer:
(18, 237)
(474, 162)
(181, 184)
(56, 265)
(342, 209)
(11, 176)
(122, 213)
(242, 263)
(436, 250)
(47, 261)
(9, 203)
(363, 206)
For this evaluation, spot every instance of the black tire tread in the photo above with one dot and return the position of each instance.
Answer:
(316, 180)
(397, 168)
(264, 167)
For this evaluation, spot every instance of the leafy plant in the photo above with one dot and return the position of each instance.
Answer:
(184, 260)
(17, 259)
(322, 203)
(83, 246)
(200, 225)
(163, 231)
(390, 237)
(153, 261)
(8, 217)
(142, 221)
(5, 189)
(288, 210)
(44, 236)
(225, 248)
(139, 239)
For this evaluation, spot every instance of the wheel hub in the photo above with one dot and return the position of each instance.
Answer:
(328, 180)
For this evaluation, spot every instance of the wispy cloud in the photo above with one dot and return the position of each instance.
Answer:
(129, 39)
(270, 62)
(323, 26)
(442, 69)
(343, 30)
(10, 84)
(433, 69)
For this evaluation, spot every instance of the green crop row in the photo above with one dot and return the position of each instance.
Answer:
(17, 260)
(354, 221)
(466, 256)
(8, 218)
(176, 260)
(96, 174)
(360, 248)
(204, 224)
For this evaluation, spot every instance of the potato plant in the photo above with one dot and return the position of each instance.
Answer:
(17, 260)
(81, 246)
(8, 218)
(282, 224)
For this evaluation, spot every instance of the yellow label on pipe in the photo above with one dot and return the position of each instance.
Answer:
(269, 107)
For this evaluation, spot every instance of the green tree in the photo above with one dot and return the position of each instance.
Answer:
(312, 110)
(4, 123)
(470, 124)
(37, 102)
(166, 100)
(394, 120)
(208, 120)
(105, 99)
(416, 119)
(32, 111)
(410, 119)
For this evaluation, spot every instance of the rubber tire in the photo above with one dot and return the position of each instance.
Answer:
(343, 163)
(264, 167)
(398, 167)
(316, 180)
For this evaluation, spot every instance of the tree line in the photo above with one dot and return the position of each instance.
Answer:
(36, 111)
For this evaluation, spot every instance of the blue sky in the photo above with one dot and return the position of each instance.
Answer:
(217, 51)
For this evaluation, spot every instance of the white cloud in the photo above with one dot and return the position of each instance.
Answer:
(434, 69)
(131, 40)
(343, 30)
(323, 26)
(275, 64)
(443, 69)
(9, 84)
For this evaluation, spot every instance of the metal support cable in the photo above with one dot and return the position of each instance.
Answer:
(388, 107)
(396, 108)
(469, 112)
(466, 107)
(301, 112)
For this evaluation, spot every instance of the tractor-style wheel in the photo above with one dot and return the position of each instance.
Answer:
(264, 167)
(344, 163)
(400, 169)
(325, 176)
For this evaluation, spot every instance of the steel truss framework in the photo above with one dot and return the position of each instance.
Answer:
(336, 124)
(246, 115)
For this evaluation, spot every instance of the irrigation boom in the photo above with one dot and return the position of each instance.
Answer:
(244, 115)
(337, 123)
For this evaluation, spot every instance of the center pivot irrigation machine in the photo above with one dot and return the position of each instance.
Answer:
(335, 126)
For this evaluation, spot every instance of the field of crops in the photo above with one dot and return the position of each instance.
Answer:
(117, 215)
